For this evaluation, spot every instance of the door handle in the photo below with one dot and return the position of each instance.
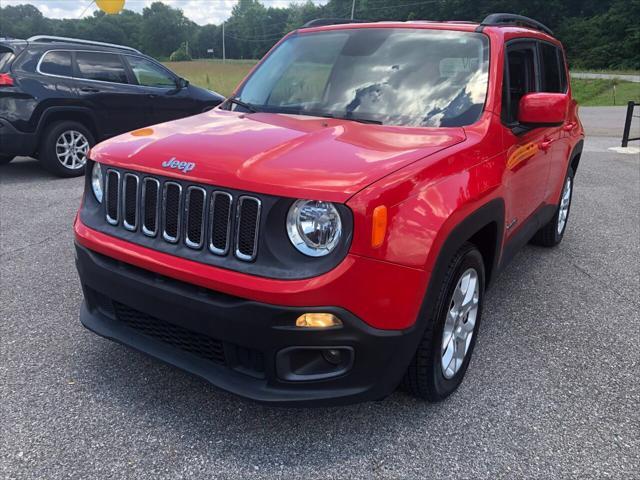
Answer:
(89, 90)
(569, 126)
(152, 95)
(546, 144)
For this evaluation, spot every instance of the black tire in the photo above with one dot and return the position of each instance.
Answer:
(425, 378)
(4, 159)
(48, 155)
(549, 236)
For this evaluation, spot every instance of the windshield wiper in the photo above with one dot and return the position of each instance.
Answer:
(361, 120)
(247, 106)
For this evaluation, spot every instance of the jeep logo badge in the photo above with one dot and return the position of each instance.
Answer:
(186, 167)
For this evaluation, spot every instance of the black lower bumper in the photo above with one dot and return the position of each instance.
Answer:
(14, 142)
(248, 348)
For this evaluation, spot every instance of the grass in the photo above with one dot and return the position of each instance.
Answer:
(600, 93)
(613, 72)
(224, 77)
(213, 74)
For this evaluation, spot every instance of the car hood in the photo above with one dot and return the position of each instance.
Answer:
(286, 155)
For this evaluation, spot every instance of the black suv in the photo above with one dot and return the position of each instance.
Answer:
(60, 96)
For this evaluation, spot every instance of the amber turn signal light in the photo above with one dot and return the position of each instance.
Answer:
(317, 320)
(379, 226)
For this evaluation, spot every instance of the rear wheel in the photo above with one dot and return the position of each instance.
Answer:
(552, 233)
(4, 159)
(443, 355)
(65, 148)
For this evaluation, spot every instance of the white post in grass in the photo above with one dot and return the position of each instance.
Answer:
(353, 8)
(224, 50)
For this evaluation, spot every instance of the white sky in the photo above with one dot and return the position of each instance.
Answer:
(200, 11)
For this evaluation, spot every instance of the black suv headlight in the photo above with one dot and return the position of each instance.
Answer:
(314, 227)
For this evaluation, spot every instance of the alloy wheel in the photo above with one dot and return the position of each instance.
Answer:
(72, 148)
(563, 212)
(460, 322)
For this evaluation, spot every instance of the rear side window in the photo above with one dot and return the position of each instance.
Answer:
(57, 63)
(6, 57)
(552, 77)
(105, 67)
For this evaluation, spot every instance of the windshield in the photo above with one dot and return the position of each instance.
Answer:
(411, 77)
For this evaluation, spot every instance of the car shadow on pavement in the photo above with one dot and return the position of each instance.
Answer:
(220, 423)
(24, 170)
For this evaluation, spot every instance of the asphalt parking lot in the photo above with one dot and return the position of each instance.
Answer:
(552, 391)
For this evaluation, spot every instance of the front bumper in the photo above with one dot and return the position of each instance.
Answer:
(238, 345)
(15, 142)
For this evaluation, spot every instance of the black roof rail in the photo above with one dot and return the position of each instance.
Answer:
(506, 19)
(322, 22)
(78, 41)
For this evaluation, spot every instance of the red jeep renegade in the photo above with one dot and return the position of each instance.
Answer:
(327, 233)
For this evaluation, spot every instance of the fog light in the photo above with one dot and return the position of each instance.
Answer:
(318, 320)
(333, 356)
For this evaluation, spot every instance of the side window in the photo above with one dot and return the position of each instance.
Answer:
(149, 74)
(520, 79)
(563, 71)
(57, 63)
(551, 79)
(106, 67)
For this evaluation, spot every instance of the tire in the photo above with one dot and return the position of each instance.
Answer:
(552, 233)
(66, 136)
(4, 159)
(427, 377)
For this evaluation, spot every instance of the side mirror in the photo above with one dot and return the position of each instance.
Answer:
(543, 109)
(181, 83)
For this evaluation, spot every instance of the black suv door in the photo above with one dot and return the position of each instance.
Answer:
(105, 87)
(169, 101)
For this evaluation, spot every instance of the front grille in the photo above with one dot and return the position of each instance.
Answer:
(112, 195)
(150, 204)
(194, 215)
(196, 343)
(130, 202)
(248, 220)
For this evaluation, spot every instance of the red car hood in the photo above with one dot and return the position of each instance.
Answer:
(285, 155)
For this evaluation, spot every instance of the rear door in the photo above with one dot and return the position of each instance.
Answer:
(168, 102)
(105, 86)
(527, 164)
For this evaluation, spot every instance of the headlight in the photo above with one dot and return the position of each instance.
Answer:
(314, 227)
(96, 181)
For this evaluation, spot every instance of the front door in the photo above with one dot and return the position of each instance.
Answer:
(167, 99)
(527, 162)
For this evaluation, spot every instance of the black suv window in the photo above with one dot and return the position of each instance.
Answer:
(149, 74)
(57, 63)
(552, 76)
(519, 79)
(6, 56)
(106, 67)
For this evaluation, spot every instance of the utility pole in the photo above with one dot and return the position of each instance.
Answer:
(224, 51)
(353, 8)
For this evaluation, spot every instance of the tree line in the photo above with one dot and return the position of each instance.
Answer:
(597, 33)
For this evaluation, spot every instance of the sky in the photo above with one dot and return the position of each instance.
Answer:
(200, 11)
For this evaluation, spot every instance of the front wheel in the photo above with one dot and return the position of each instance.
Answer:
(65, 147)
(552, 233)
(442, 358)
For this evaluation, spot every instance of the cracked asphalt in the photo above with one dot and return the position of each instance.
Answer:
(552, 391)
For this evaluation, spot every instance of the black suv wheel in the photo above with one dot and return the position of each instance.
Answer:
(65, 147)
